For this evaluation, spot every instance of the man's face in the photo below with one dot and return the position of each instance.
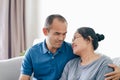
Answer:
(56, 34)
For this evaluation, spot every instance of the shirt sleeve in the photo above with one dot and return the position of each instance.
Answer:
(65, 72)
(103, 70)
(26, 67)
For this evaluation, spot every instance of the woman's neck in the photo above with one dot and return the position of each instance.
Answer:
(89, 58)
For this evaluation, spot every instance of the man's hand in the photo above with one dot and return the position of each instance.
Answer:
(113, 75)
(24, 77)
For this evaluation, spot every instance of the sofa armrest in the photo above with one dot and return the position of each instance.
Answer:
(10, 68)
(116, 61)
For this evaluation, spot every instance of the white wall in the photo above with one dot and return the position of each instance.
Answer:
(32, 21)
(102, 15)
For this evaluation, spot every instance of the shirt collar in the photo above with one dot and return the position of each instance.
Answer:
(44, 47)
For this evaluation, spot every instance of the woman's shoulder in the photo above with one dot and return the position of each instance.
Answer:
(106, 60)
(74, 61)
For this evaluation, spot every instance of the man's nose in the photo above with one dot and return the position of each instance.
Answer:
(61, 37)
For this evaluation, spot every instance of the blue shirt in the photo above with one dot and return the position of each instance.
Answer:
(44, 64)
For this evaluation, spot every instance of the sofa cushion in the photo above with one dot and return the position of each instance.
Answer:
(10, 68)
(116, 61)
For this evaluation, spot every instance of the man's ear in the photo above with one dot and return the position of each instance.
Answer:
(45, 31)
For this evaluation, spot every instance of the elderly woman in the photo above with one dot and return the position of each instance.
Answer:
(90, 65)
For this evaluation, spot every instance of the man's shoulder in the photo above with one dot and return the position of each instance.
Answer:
(34, 50)
(36, 46)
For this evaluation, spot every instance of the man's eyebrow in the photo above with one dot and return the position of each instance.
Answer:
(57, 32)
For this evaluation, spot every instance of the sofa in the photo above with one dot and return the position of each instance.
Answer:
(116, 61)
(10, 68)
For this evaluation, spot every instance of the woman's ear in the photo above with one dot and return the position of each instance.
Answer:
(90, 39)
(45, 31)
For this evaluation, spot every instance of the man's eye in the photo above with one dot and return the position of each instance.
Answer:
(57, 33)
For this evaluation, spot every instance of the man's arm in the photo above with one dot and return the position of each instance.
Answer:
(26, 67)
(113, 75)
(24, 77)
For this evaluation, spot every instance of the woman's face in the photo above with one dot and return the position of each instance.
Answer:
(79, 44)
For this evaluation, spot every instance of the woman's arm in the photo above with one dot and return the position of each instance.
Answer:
(102, 71)
(65, 73)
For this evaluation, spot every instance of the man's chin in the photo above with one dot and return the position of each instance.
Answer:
(58, 46)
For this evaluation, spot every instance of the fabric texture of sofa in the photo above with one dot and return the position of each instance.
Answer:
(10, 68)
(116, 61)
